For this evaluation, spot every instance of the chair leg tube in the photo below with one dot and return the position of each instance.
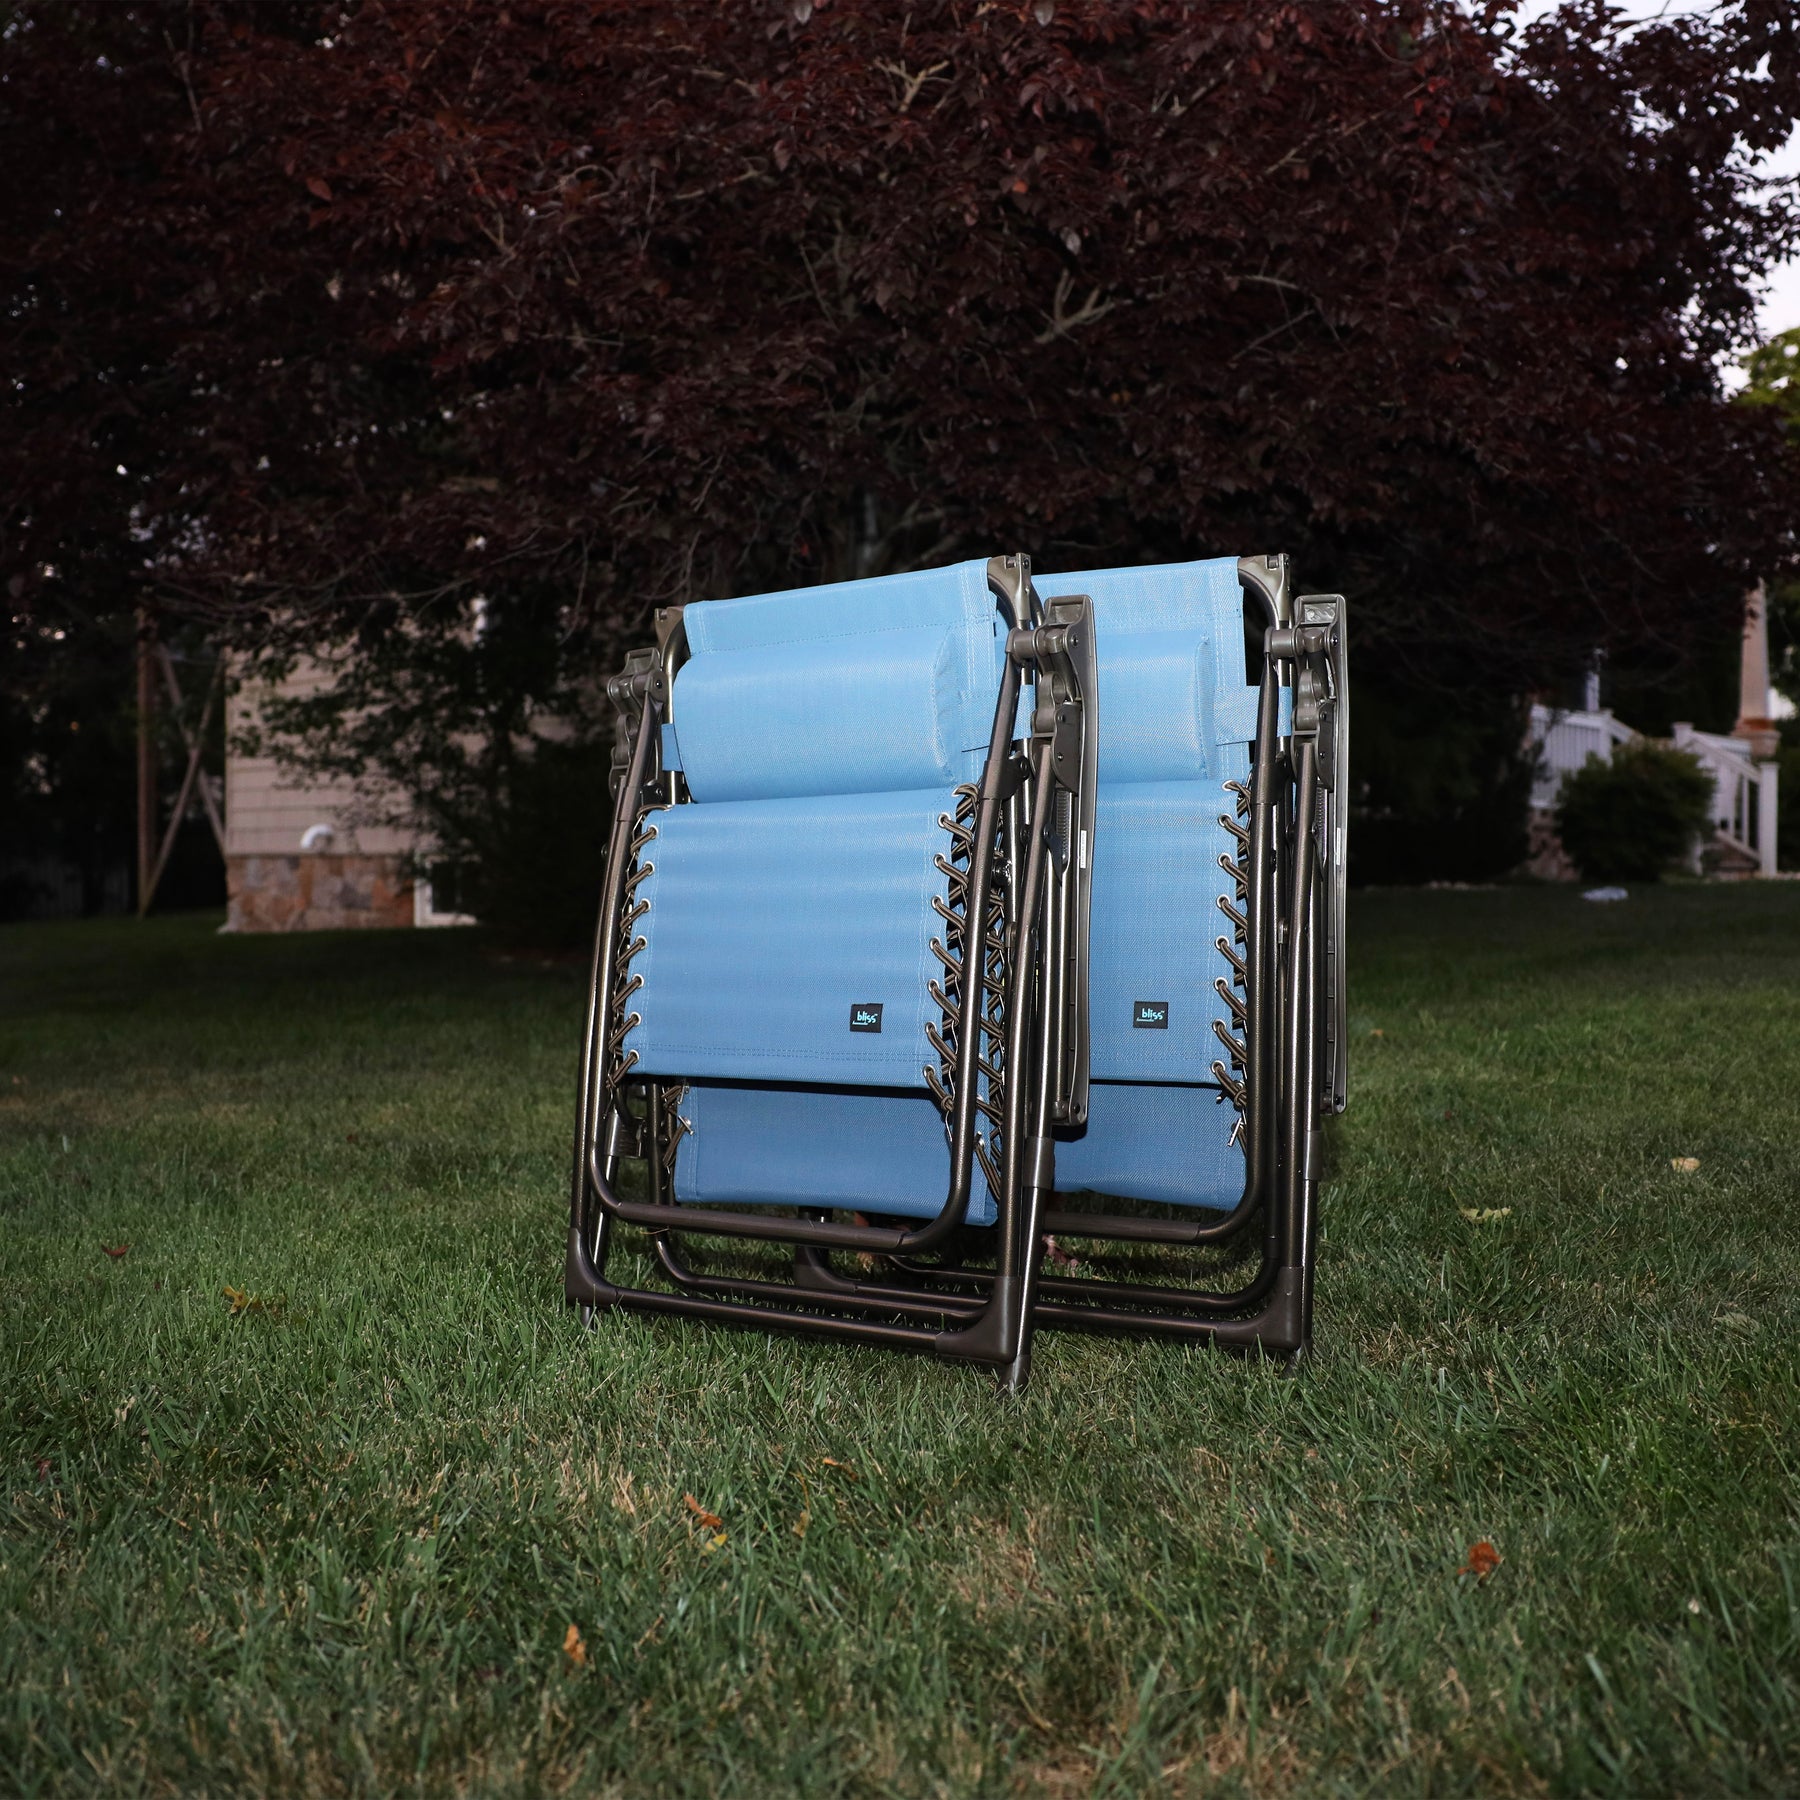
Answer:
(1300, 1121)
(1030, 1156)
(997, 1336)
(584, 1278)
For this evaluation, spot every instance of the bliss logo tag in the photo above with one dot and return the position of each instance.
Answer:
(1150, 1015)
(865, 1016)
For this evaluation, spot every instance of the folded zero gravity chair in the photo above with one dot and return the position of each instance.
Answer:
(923, 934)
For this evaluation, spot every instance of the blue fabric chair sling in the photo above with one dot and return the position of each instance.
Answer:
(798, 1031)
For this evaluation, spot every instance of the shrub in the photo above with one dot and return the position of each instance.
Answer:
(1636, 817)
(1440, 783)
(535, 860)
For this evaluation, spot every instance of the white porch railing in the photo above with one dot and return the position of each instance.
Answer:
(1565, 740)
(1745, 795)
(1745, 792)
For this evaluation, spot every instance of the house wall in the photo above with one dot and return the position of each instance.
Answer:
(357, 876)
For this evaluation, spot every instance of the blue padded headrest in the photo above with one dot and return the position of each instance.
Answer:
(858, 687)
(1170, 639)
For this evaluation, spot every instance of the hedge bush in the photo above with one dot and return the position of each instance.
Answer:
(1636, 817)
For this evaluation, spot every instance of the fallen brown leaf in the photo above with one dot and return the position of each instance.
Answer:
(243, 1301)
(710, 1520)
(574, 1649)
(1484, 1559)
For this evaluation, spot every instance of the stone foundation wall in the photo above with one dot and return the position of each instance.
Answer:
(317, 893)
(1545, 858)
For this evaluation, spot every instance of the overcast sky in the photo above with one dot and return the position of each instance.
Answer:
(1780, 309)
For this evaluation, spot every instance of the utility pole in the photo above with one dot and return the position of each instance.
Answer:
(146, 761)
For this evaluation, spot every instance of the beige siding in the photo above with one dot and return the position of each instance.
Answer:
(269, 809)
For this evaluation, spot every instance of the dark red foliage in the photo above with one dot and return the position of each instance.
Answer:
(586, 304)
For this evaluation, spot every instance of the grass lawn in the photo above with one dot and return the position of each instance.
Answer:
(334, 1540)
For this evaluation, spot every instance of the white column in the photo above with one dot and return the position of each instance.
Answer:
(1767, 813)
(1753, 722)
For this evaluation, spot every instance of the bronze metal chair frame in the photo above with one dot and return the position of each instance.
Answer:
(1013, 1049)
